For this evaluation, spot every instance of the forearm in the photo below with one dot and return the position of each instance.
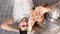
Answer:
(9, 28)
(7, 25)
(54, 5)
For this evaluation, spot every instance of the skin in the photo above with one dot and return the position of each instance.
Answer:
(7, 25)
(23, 25)
(38, 15)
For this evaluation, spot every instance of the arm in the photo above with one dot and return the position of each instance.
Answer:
(40, 13)
(7, 23)
(54, 5)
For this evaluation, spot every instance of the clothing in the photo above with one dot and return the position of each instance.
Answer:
(21, 9)
(53, 19)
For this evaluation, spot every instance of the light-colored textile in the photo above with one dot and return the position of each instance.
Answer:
(22, 9)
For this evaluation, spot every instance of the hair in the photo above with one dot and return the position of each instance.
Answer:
(22, 32)
(46, 4)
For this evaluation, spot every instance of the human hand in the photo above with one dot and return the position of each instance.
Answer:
(36, 15)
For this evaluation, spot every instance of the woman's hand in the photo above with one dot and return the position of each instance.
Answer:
(37, 15)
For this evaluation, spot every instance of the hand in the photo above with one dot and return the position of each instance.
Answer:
(42, 10)
(34, 16)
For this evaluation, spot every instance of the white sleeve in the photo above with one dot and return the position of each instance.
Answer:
(21, 8)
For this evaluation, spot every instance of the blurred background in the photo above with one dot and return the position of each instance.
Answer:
(6, 8)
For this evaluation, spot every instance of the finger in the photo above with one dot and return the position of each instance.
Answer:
(30, 25)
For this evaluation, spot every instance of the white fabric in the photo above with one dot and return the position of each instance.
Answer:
(22, 9)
